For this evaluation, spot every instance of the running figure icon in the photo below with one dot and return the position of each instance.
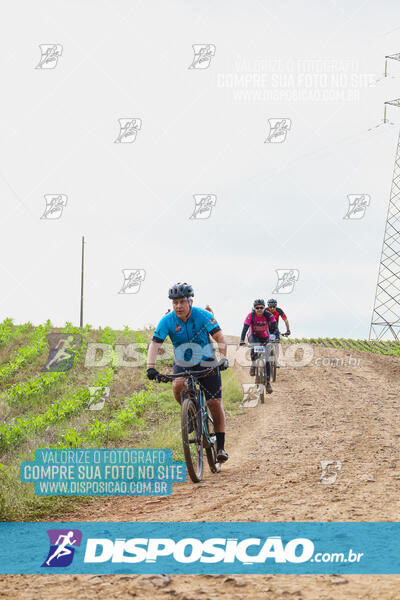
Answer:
(62, 549)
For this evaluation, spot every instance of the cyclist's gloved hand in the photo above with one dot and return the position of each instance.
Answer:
(242, 343)
(152, 373)
(223, 364)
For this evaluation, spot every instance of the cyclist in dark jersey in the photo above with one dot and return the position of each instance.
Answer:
(278, 312)
(261, 323)
(189, 329)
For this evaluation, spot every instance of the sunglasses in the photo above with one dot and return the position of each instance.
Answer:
(260, 307)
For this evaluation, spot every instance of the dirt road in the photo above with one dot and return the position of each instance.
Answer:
(316, 413)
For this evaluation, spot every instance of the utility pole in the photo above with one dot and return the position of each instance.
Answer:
(82, 275)
(386, 313)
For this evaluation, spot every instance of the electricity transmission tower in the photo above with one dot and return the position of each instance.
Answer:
(394, 57)
(386, 314)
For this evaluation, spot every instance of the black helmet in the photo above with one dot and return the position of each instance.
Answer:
(272, 302)
(259, 301)
(180, 290)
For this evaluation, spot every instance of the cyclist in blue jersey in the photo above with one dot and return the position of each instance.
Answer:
(190, 330)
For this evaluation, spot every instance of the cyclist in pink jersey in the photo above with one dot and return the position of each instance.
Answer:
(260, 322)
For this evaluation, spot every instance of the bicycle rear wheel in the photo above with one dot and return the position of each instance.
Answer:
(192, 439)
(211, 451)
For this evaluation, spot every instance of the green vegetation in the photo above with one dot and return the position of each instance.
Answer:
(13, 434)
(26, 392)
(28, 353)
(51, 409)
(10, 332)
(373, 346)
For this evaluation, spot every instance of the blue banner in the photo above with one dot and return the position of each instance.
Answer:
(200, 548)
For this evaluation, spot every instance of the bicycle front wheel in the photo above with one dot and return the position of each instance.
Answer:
(192, 439)
(273, 364)
(261, 393)
(260, 380)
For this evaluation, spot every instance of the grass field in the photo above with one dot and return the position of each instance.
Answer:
(51, 409)
(371, 346)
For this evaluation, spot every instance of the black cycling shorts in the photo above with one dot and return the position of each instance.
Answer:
(211, 384)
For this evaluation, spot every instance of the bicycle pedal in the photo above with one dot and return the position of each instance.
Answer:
(222, 456)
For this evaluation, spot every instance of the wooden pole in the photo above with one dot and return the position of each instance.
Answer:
(82, 274)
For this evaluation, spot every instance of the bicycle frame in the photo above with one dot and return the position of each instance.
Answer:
(195, 420)
(203, 414)
(265, 355)
(198, 397)
(194, 387)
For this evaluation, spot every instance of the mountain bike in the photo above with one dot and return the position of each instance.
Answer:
(197, 425)
(260, 358)
(261, 354)
(274, 340)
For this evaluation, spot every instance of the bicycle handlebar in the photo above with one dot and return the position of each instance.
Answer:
(166, 377)
(269, 341)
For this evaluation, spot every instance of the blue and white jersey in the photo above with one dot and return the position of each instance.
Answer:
(194, 334)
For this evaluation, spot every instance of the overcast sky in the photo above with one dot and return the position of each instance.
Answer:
(203, 131)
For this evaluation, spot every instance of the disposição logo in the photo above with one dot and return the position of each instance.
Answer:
(61, 551)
